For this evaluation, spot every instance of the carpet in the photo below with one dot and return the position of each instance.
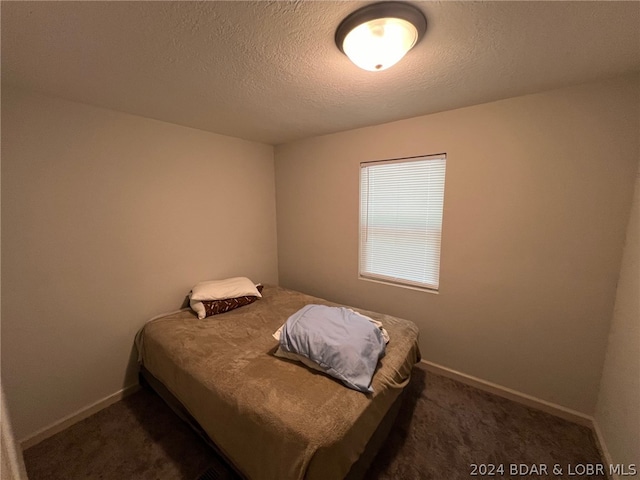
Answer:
(443, 429)
(216, 472)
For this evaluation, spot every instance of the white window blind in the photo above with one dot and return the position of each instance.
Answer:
(401, 204)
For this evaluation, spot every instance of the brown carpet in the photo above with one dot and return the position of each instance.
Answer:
(443, 428)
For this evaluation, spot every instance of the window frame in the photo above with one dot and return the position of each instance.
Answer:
(389, 280)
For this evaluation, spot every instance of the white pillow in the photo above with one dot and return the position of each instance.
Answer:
(296, 357)
(221, 289)
(198, 307)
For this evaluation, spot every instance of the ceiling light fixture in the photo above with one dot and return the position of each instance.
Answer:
(377, 36)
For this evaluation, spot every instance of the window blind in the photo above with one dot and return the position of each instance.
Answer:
(401, 203)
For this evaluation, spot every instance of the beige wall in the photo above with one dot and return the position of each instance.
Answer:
(109, 219)
(618, 409)
(538, 192)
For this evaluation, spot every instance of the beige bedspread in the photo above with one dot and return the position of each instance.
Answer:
(273, 418)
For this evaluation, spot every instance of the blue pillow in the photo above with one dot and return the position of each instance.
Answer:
(339, 341)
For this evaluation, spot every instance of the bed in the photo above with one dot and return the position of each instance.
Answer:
(273, 418)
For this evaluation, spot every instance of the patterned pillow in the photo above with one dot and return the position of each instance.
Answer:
(216, 307)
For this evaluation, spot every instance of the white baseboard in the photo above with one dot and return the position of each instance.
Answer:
(81, 414)
(533, 402)
(528, 400)
(604, 451)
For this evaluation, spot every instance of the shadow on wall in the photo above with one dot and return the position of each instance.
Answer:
(131, 372)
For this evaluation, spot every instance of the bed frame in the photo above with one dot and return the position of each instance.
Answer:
(358, 469)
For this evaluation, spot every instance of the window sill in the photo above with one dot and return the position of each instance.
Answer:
(401, 285)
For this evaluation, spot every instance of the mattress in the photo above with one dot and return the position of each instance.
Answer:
(272, 418)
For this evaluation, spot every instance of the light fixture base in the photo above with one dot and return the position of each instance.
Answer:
(400, 10)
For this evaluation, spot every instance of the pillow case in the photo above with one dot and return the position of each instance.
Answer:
(383, 331)
(215, 307)
(212, 290)
(221, 289)
(198, 307)
(336, 341)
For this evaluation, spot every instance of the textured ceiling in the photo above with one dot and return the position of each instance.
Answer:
(270, 71)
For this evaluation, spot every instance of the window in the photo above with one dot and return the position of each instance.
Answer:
(401, 220)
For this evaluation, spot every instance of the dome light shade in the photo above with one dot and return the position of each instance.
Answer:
(379, 35)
